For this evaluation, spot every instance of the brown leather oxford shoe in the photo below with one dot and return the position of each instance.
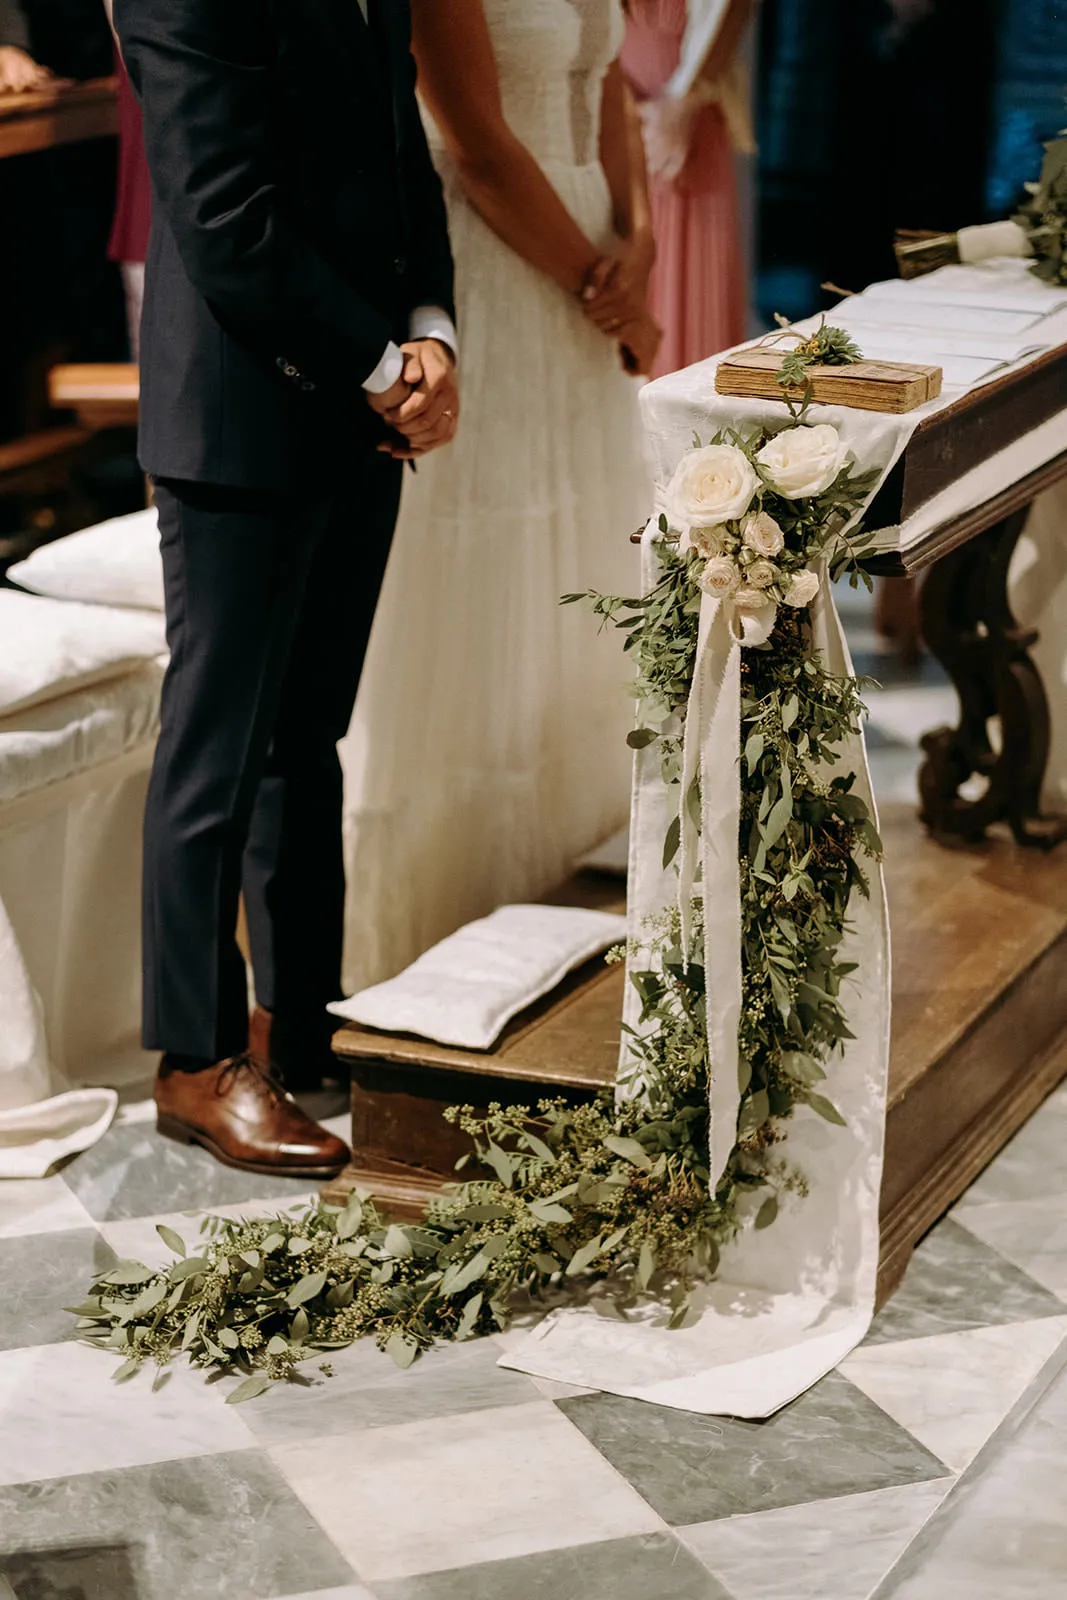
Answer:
(240, 1113)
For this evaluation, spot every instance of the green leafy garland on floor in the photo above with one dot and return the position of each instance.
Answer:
(618, 1190)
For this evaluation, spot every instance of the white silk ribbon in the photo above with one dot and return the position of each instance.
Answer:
(708, 853)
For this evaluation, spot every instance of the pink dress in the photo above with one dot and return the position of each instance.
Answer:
(697, 290)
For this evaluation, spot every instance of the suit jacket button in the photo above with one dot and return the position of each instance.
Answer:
(307, 386)
(281, 364)
(401, 265)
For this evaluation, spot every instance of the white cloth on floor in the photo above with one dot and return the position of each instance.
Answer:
(465, 990)
(114, 563)
(36, 1128)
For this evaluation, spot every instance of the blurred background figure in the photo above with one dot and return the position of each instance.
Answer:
(685, 64)
(133, 204)
(18, 70)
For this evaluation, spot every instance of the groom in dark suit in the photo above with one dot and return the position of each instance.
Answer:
(297, 344)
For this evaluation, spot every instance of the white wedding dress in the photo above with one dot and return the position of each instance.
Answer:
(487, 751)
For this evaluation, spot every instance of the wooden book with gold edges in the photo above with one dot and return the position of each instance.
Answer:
(864, 385)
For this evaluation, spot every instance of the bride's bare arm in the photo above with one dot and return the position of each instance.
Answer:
(622, 294)
(458, 81)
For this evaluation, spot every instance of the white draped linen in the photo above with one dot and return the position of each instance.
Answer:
(74, 760)
(792, 1300)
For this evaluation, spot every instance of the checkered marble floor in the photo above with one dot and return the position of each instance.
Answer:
(929, 1467)
(460, 1479)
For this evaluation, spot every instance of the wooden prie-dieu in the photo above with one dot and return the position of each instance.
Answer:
(980, 975)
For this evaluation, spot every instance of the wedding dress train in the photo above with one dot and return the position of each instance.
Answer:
(487, 751)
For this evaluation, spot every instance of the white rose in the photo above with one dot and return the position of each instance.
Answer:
(711, 485)
(761, 574)
(802, 589)
(801, 462)
(706, 542)
(749, 599)
(763, 535)
(719, 578)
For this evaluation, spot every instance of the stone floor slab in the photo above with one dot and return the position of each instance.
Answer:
(461, 1491)
(219, 1527)
(832, 1441)
(653, 1567)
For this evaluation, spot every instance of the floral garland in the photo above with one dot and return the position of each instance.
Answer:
(618, 1188)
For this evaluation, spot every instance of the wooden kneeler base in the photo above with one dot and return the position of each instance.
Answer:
(979, 1039)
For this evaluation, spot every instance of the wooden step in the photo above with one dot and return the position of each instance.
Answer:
(979, 1038)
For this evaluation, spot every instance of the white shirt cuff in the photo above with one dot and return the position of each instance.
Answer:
(430, 322)
(389, 370)
(426, 322)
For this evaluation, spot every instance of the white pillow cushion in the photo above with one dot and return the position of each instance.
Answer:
(52, 647)
(464, 990)
(115, 563)
(57, 738)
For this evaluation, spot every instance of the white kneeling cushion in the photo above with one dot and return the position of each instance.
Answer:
(115, 563)
(50, 648)
(464, 990)
(57, 739)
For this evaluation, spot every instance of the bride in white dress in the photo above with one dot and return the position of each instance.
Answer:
(487, 752)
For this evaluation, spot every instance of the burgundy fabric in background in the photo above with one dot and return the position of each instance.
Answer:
(133, 204)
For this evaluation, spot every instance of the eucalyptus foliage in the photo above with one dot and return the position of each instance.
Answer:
(618, 1188)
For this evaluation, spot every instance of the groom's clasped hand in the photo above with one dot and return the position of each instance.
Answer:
(422, 407)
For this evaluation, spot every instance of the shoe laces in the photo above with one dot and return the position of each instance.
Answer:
(251, 1065)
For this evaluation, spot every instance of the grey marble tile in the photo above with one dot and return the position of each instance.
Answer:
(368, 1390)
(955, 1281)
(830, 1550)
(1033, 1165)
(832, 1441)
(42, 1273)
(133, 1172)
(1032, 1234)
(203, 1529)
(653, 1567)
(1001, 1535)
(894, 773)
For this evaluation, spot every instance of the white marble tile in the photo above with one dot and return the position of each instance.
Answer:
(61, 1414)
(137, 1238)
(457, 1491)
(829, 1550)
(349, 1592)
(137, 1111)
(1033, 1166)
(1030, 1233)
(39, 1205)
(1003, 1537)
(910, 711)
(952, 1391)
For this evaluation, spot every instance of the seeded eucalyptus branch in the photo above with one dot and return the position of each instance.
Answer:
(617, 1189)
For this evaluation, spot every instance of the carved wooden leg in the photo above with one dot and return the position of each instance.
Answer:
(969, 626)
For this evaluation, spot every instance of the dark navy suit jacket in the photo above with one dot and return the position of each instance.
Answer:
(297, 221)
